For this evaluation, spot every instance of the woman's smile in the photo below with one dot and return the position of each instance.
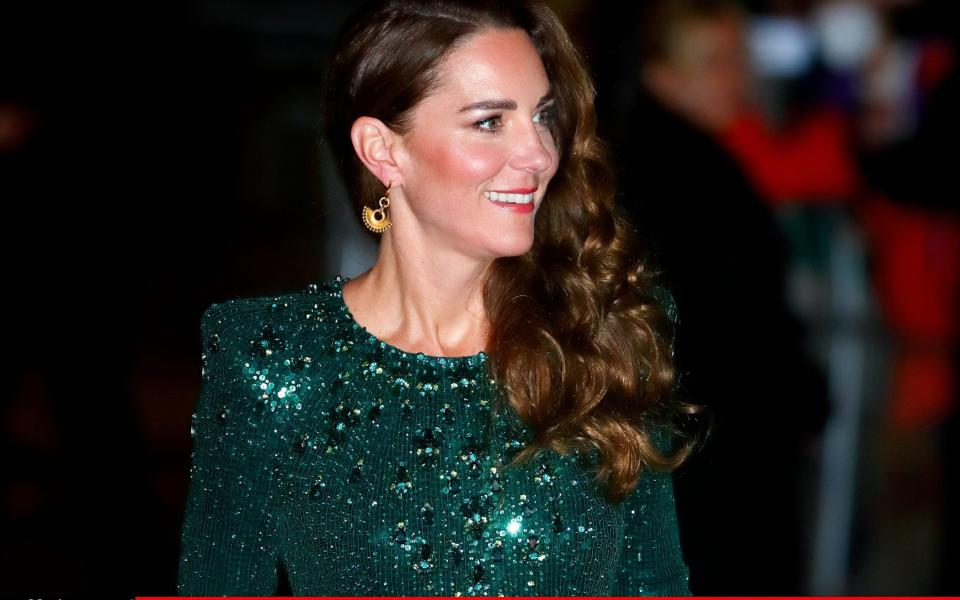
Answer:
(517, 202)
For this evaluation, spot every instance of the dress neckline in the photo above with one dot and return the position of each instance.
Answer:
(417, 357)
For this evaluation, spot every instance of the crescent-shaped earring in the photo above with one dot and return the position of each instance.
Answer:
(377, 219)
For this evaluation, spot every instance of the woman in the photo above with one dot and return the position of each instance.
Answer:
(486, 410)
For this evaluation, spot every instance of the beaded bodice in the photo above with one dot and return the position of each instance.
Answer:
(361, 469)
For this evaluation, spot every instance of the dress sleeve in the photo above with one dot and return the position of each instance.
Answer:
(651, 561)
(228, 534)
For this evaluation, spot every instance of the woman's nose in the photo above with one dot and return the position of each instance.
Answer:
(531, 151)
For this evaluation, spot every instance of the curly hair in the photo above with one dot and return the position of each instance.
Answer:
(581, 330)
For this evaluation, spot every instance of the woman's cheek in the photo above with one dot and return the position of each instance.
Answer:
(465, 163)
(482, 162)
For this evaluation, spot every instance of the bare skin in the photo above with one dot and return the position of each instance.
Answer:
(423, 294)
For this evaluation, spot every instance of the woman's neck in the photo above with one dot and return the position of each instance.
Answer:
(421, 301)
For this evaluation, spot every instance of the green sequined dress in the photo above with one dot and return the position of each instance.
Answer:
(360, 469)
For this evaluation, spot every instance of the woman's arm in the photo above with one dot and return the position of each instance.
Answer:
(229, 529)
(651, 562)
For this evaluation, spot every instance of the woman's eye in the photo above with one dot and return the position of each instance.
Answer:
(492, 124)
(546, 116)
(481, 124)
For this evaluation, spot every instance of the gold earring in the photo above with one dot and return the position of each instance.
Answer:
(377, 220)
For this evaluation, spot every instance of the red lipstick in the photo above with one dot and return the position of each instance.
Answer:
(520, 208)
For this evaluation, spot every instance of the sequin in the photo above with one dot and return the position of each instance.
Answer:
(427, 514)
(363, 469)
(402, 483)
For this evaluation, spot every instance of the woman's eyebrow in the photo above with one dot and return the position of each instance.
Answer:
(505, 104)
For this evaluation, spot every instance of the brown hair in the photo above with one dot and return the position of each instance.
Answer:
(581, 335)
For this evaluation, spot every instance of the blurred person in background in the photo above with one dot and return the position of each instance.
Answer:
(865, 133)
(739, 349)
(863, 130)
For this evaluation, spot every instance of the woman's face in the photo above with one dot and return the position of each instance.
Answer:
(486, 129)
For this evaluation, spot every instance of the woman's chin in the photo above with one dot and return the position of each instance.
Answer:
(515, 245)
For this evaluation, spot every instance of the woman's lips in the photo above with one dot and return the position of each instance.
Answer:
(519, 207)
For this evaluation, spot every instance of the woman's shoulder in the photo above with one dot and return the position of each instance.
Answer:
(278, 315)
(258, 350)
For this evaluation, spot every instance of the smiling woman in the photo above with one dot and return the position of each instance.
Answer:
(488, 410)
(457, 153)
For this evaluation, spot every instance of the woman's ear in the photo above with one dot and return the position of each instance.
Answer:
(377, 145)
